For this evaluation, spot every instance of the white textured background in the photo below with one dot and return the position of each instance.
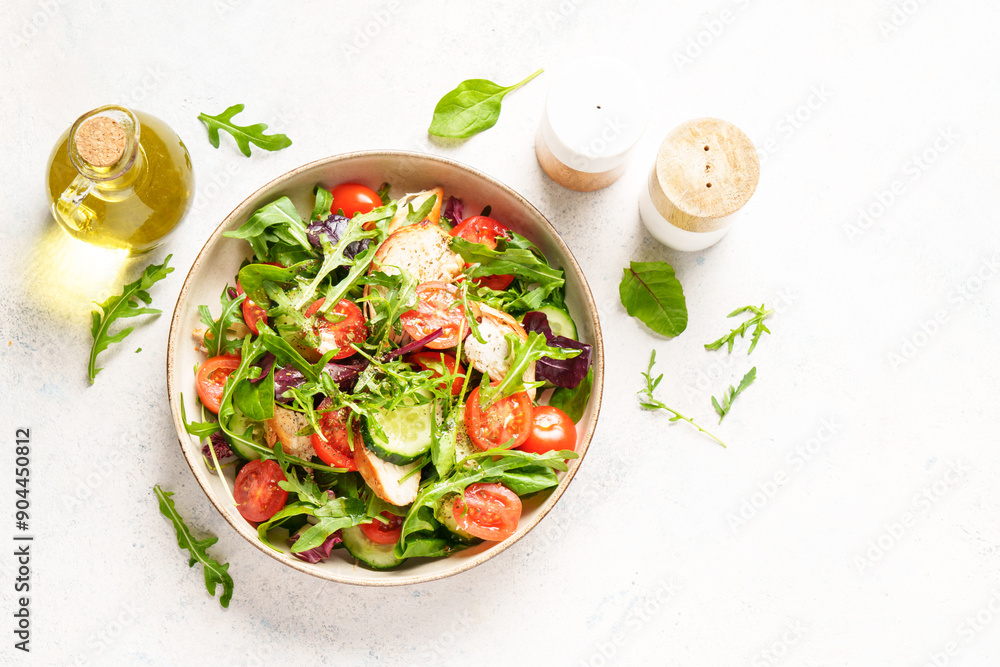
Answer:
(865, 552)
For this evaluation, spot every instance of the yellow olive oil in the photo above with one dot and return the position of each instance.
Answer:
(130, 203)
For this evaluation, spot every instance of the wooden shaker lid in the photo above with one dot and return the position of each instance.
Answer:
(706, 170)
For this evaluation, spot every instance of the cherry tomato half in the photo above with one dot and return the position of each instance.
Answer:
(485, 230)
(211, 380)
(384, 533)
(258, 496)
(332, 447)
(495, 426)
(488, 511)
(252, 313)
(436, 361)
(438, 307)
(481, 229)
(349, 327)
(354, 198)
(551, 429)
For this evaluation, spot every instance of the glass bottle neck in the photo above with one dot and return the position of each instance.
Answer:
(84, 143)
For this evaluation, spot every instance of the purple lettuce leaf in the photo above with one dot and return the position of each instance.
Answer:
(345, 374)
(285, 378)
(453, 210)
(566, 373)
(265, 364)
(223, 451)
(333, 227)
(320, 553)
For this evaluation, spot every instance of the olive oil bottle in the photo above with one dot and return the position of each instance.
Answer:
(120, 179)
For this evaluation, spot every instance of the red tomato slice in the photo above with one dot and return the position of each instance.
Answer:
(258, 496)
(334, 450)
(436, 361)
(354, 198)
(488, 511)
(211, 380)
(485, 230)
(495, 426)
(348, 328)
(252, 313)
(551, 429)
(384, 533)
(438, 307)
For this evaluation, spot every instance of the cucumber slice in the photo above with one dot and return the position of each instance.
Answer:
(375, 556)
(559, 321)
(239, 423)
(444, 513)
(408, 433)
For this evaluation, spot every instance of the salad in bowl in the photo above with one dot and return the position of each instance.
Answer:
(385, 379)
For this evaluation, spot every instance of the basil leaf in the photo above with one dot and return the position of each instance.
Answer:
(651, 292)
(243, 135)
(253, 276)
(121, 306)
(529, 480)
(573, 401)
(324, 200)
(256, 399)
(470, 108)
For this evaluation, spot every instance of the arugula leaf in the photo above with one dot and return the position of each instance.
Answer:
(473, 106)
(216, 573)
(391, 296)
(759, 315)
(524, 354)
(332, 513)
(730, 394)
(574, 401)
(253, 348)
(414, 217)
(200, 430)
(243, 135)
(276, 224)
(650, 403)
(651, 292)
(121, 306)
(516, 256)
(216, 340)
(333, 257)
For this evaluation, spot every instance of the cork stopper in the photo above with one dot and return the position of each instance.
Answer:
(705, 171)
(100, 141)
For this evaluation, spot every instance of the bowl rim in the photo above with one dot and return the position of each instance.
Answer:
(197, 466)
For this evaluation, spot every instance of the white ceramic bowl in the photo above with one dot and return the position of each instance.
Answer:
(219, 259)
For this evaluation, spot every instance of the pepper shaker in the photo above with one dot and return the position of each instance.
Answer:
(705, 171)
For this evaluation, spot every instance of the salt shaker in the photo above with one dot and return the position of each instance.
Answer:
(595, 112)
